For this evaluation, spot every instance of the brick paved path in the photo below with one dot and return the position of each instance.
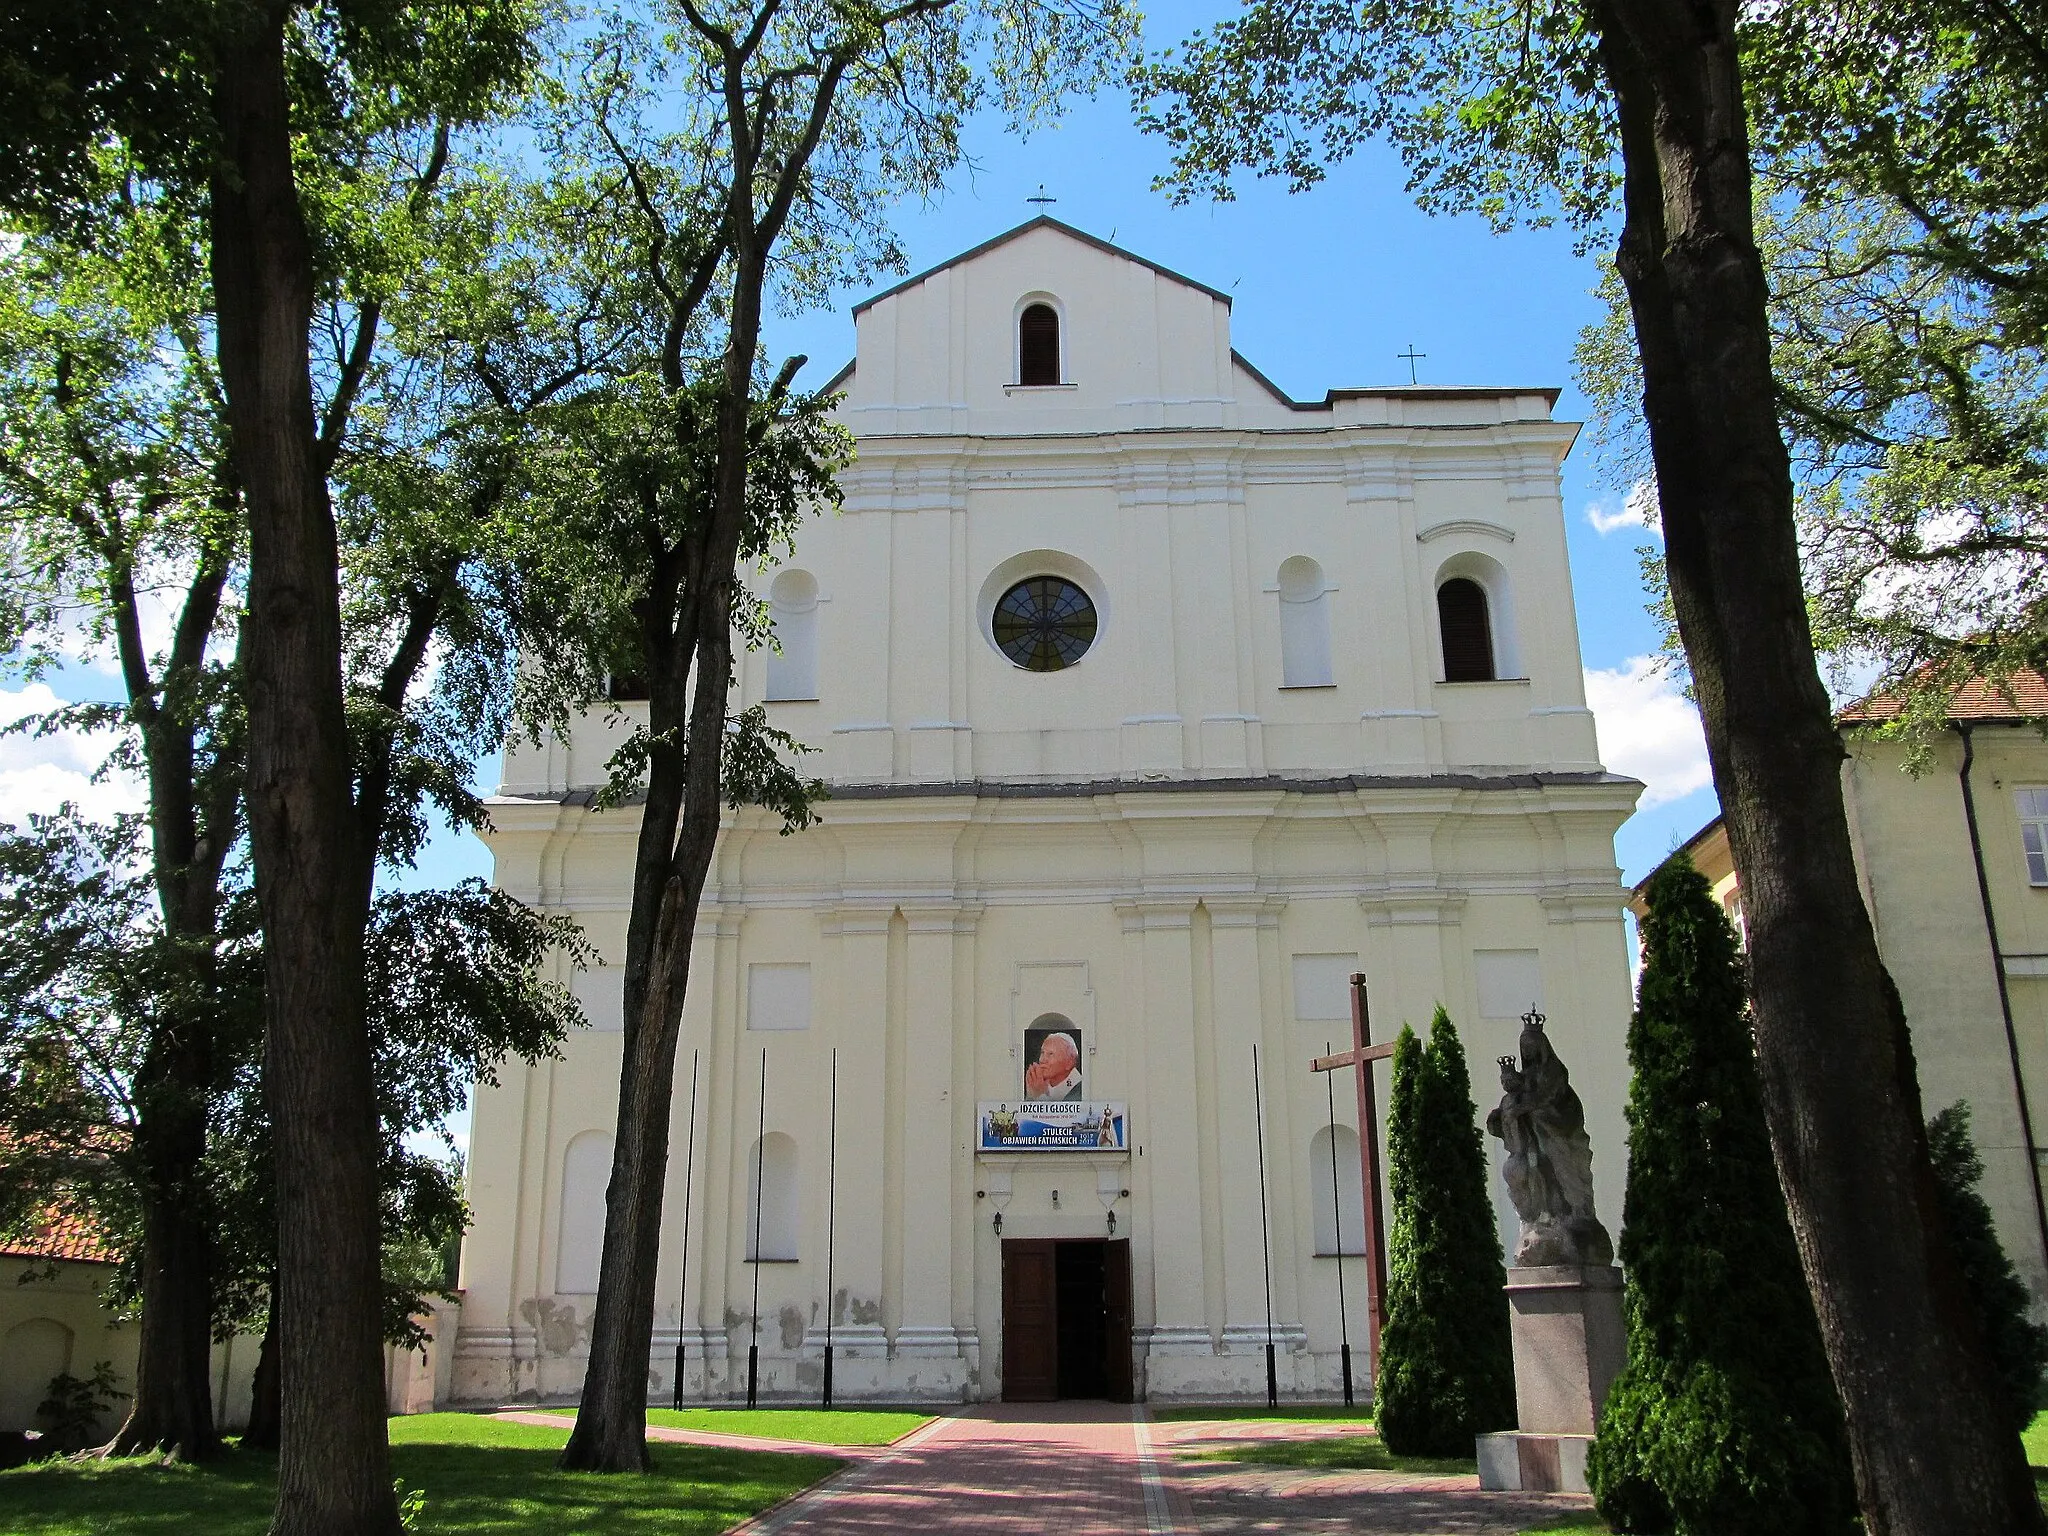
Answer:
(1095, 1469)
(1234, 1501)
(1225, 1498)
(997, 1469)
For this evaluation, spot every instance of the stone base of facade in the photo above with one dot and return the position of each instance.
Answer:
(1192, 1365)
(919, 1365)
(1515, 1462)
(927, 1365)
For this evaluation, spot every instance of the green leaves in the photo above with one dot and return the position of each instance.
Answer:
(1496, 109)
(454, 983)
(2000, 1298)
(757, 771)
(140, 73)
(1902, 162)
(1902, 168)
(1446, 1367)
(1724, 1419)
(113, 477)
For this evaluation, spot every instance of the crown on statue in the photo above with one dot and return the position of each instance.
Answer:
(1533, 1019)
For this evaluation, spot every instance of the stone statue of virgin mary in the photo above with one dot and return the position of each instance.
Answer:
(1549, 1161)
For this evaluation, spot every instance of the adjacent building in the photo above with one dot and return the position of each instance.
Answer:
(1953, 862)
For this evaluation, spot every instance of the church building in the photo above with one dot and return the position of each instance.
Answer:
(1154, 704)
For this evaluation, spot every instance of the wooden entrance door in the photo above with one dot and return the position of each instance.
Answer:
(1031, 1356)
(1116, 1322)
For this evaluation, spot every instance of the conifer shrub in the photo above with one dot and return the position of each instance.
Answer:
(2018, 1345)
(1447, 1369)
(1724, 1421)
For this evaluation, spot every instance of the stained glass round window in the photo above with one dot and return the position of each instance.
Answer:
(1044, 623)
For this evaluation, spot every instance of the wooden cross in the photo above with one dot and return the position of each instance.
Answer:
(1360, 1058)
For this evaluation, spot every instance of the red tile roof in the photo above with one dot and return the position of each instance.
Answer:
(1975, 700)
(75, 1239)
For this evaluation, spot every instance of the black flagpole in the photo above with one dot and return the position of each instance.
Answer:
(1337, 1224)
(1265, 1237)
(831, 1222)
(760, 1178)
(689, 1170)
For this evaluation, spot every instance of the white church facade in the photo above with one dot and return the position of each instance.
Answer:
(1153, 704)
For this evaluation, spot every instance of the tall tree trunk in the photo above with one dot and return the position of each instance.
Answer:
(683, 787)
(678, 831)
(1932, 1453)
(192, 824)
(261, 1432)
(334, 1472)
(172, 1410)
(680, 820)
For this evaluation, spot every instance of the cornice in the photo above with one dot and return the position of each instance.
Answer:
(1486, 442)
(1412, 901)
(1464, 525)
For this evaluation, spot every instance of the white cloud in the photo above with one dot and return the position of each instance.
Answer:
(1648, 729)
(1637, 510)
(40, 773)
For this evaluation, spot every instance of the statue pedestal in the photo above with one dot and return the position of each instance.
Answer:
(1569, 1346)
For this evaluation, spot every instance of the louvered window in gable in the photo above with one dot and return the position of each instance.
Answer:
(1038, 345)
(1467, 631)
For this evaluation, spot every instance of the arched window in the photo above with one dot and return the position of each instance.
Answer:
(1467, 630)
(579, 1237)
(771, 1190)
(1348, 1210)
(1304, 624)
(1038, 345)
(34, 1351)
(793, 664)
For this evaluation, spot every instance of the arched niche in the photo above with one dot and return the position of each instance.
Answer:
(793, 663)
(579, 1236)
(32, 1353)
(772, 1199)
(1349, 1200)
(1304, 624)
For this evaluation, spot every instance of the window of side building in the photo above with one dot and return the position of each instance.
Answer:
(2033, 808)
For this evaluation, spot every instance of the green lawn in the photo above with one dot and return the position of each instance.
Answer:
(1335, 1453)
(820, 1426)
(481, 1477)
(1299, 1411)
(824, 1426)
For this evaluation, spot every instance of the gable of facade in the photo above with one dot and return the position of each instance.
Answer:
(1266, 579)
